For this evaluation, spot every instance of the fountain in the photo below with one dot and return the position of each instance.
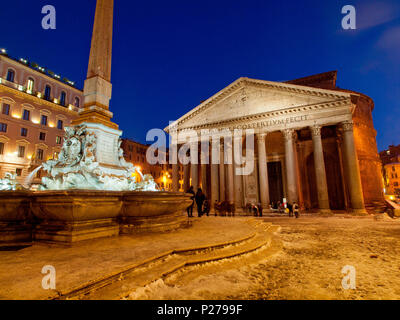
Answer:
(90, 191)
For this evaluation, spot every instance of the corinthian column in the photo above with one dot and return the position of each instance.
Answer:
(186, 177)
(237, 147)
(229, 162)
(352, 170)
(222, 173)
(203, 159)
(291, 179)
(263, 171)
(320, 173)
(194, 159)
(215, 154)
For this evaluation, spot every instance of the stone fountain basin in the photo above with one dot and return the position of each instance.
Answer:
(76, 205)
(14, 206)
(153, 204)
(153, 211)
(85, 205)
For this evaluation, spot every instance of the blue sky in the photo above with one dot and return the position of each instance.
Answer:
(170, 55)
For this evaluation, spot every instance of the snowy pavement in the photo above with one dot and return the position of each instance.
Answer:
(309, 266)
(21, 270)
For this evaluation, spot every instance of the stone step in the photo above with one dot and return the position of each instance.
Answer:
(122, 283)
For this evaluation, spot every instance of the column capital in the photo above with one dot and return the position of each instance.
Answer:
(289, 134)
(347, 126)
(261, 136)
(316, 130)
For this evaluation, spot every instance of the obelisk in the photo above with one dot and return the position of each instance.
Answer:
(98, 88)
(95, 114)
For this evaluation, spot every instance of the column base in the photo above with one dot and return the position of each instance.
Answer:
(325, 212)
(359, 212)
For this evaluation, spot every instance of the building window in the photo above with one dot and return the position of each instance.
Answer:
(393, 168)
(24, 132)
(21, 151)
(60, 124)
(1, 148)
(396, 184)
(58, 140)
(43, 120)
(42, 136)
(18, 172)
(63, 97)
(26, 115)
(6, 109)
(77, 102)
(10, 75)
(30, 85)
(39, 154)
(47, 92)
(3, 127)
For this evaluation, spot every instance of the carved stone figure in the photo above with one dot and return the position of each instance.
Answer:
(77, 168)
(10, 183)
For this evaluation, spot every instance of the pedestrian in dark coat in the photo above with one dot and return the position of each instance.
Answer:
(290, 207)
(200, 197)
(190, 208)
(296, 210)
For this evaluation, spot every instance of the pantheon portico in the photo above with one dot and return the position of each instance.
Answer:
(311, 145)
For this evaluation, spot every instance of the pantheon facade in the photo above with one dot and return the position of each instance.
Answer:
(314, 144)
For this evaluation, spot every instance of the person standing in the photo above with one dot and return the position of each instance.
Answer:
(290, 207)
(190, 208)
(296, 210)
(200, 197)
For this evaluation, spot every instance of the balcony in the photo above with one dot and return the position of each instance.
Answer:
(37, 94)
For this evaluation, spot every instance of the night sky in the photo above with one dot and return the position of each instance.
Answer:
(168, 56)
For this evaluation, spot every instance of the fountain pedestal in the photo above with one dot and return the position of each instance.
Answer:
(15, 218)
(75, 215)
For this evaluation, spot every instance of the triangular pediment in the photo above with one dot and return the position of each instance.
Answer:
(248, 97)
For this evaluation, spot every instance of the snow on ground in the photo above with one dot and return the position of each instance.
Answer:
(309, 266)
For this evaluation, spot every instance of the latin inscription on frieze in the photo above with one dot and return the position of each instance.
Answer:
(273, 122)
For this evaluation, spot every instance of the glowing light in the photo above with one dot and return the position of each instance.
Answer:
(55, 100)
(35, 121)
(51, 125)
(16, 116)
(3, 50)
(39, 94)
(30, 157)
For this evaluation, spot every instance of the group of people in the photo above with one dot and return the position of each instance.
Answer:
(292, 209)
(202, 203)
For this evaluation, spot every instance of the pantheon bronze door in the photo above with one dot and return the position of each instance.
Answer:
(275, 181)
